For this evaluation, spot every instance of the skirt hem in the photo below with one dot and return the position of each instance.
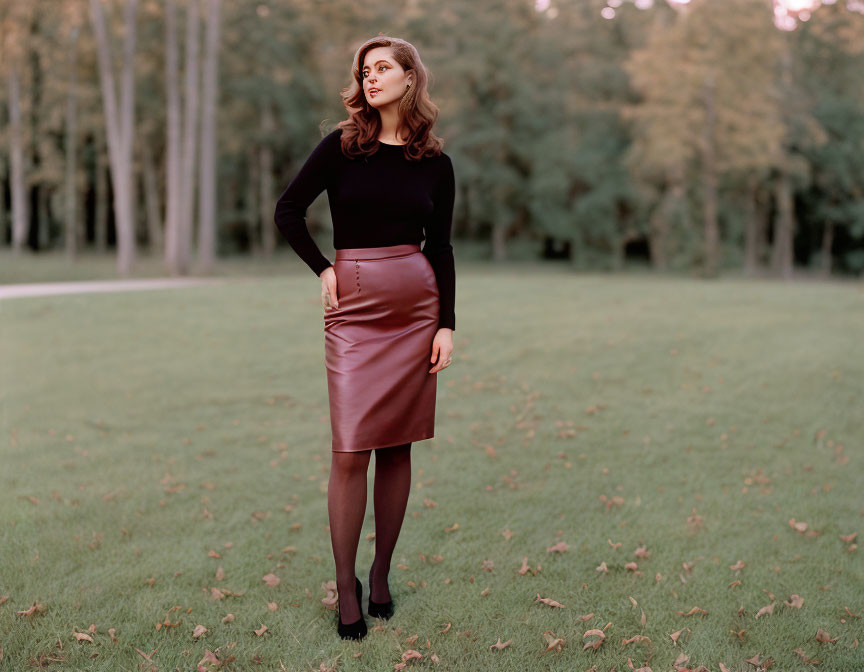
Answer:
(389, 444)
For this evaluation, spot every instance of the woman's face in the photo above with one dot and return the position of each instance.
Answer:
(384, 80)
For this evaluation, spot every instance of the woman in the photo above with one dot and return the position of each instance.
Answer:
(388, 305)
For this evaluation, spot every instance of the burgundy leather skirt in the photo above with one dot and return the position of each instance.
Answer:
(378, 346)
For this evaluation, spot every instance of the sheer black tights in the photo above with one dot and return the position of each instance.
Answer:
(346, 505)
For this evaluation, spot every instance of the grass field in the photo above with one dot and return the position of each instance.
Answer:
(160, 445)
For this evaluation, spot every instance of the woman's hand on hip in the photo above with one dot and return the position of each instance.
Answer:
(328, 288)
(442, 348)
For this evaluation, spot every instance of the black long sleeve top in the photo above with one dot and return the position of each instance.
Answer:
(381, 200)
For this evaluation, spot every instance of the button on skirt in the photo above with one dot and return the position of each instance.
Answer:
(378, 346)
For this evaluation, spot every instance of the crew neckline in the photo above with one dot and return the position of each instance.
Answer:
(389, 144)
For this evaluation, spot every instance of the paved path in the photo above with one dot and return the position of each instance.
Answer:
(52, 288)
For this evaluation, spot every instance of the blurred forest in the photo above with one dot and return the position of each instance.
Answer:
(697, 136)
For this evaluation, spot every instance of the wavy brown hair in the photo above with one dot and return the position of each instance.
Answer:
(417, 112)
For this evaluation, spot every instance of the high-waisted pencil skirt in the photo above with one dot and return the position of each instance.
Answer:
(378, 346)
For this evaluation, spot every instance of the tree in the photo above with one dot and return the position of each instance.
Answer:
(121, 126)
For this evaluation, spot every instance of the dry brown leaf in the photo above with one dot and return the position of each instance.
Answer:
(271, 580)
(549, 601)
(553, 642)
(804, 658)
(260, 631)
(499, 645)
(795, 602)
(597, 643)
(636, 639)
(823, 636)
(767, 609)
(34, 608)
(560, 547)
(198, 631)
(82, 637)
(799, 526)
(146, 656)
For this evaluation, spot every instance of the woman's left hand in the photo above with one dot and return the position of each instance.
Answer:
(442, 349)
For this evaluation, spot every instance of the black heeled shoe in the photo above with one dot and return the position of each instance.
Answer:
(379, 609)
(357, 629)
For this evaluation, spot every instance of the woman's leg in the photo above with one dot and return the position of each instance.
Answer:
(392, 487)
(346, 504)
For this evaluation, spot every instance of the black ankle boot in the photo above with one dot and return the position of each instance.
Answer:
(357, 629)
(379, 609)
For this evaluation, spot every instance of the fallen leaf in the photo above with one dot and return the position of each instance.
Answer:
(549, 601)
(553, 642)
(823, 636)
(767, 609)
(596, 644)
(795, 601)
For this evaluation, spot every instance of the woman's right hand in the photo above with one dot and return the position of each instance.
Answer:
(328, 288)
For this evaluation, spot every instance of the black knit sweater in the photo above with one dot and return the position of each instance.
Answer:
(381, 200)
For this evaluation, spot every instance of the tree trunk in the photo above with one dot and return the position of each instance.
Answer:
(70, 217)
(20, 209)
(752, 224)
(827, 242)
(100, 233)
(709, 186)
(4, 215)
(252, 203)
(207, 205)
(43, 218)
(174, 261)
(784, 228)
(500, 229)
(268, 204)
(120, 126)
(659, 225)
(190, 131)
(152, 206)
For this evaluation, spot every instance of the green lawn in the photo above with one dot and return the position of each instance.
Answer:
(152, 439)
